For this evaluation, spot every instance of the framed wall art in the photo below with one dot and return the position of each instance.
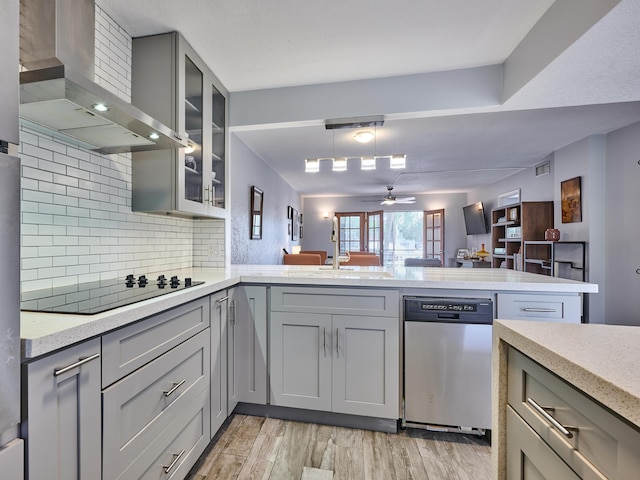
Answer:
(570, 195)
(257, 196)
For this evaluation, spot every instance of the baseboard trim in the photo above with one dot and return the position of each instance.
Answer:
(387, 425)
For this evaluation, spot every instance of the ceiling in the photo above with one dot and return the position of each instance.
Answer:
(590, 87)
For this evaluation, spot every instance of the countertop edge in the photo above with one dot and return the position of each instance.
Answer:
(44, 333)
(602, 388)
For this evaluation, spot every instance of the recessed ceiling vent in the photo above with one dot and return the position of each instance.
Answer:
(355, 122)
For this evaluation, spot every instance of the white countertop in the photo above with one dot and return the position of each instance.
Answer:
(42, 333)
(601, 360)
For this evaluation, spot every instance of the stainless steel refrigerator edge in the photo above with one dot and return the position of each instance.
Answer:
(11, 447)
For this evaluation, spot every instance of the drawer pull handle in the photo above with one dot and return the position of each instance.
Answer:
(539, 310)
(168, 468)
(81, 361)
(222, 299)
(176, 386)
(542, 411)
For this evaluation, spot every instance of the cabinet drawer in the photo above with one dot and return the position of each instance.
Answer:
(602, 439)
(548, 307)
(131, 347)
(139, 407)
(189, 433)
(346, 301)
(528, 457)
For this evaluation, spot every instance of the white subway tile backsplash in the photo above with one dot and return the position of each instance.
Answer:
(36, 174)
(48, 252)
(77, 223)
(37, 218)
(52, 188)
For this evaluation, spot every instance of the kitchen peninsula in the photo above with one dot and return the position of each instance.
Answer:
(149, 384)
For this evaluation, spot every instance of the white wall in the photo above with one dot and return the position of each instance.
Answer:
(76, 218)
(317, 230)
(247, 170)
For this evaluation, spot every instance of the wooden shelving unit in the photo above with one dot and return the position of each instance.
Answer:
(512, 225)
(558, 259)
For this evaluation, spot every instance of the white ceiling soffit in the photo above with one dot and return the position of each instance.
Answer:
(283, 62)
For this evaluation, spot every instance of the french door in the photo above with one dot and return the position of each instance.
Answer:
(434, 234)
(361, 232)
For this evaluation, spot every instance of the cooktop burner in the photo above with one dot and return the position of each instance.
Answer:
(95, 297)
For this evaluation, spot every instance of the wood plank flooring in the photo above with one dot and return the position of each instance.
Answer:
(265, 448)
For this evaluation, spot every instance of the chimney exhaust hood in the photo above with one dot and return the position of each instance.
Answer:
(57, 51)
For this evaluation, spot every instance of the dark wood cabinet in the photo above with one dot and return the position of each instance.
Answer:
(558, 259)
(512, 225)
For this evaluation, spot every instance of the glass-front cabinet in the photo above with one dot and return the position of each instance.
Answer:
(218, 154)
(172, 84)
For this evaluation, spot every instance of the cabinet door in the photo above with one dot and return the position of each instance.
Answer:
(249, 324)
(366, 355)
(218, 360)
(216, 191)
(63, 416)
(529, 457)
(300, 361)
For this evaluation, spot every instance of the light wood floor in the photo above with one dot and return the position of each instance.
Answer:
(265, 448)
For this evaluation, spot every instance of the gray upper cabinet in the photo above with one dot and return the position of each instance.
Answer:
(10, 93)
(172, 83)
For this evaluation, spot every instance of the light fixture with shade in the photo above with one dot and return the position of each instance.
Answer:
(364, 136)
(311, 165)
(340, 164)
(398, 161)
(368, 163)
(325, 215)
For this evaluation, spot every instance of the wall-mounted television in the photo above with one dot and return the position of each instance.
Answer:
(474, 219)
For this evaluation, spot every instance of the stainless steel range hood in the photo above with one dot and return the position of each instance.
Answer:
(57, 91)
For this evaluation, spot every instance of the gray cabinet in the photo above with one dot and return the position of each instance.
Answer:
(528, 457)
(556, 431)
(62, 423)
(548, 307)
(335, 350)
(142, 409)
(219, 316)
(156, 398)
(247, 335)
(9, 93)
(300, 365)
(172, 83)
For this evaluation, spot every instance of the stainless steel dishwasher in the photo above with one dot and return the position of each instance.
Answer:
(447, 363)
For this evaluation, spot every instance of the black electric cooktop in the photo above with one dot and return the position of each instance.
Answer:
(95, 297)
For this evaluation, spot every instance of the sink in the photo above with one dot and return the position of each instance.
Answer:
(343, 272)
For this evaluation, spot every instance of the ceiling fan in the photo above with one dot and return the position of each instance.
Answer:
(390, 198)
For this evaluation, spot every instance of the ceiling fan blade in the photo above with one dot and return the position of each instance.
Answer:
(406, 200)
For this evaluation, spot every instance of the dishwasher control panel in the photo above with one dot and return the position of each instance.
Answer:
(433, 309)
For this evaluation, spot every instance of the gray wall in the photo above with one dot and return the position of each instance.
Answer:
(247, 170)
(317, 230)
(620, 226)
